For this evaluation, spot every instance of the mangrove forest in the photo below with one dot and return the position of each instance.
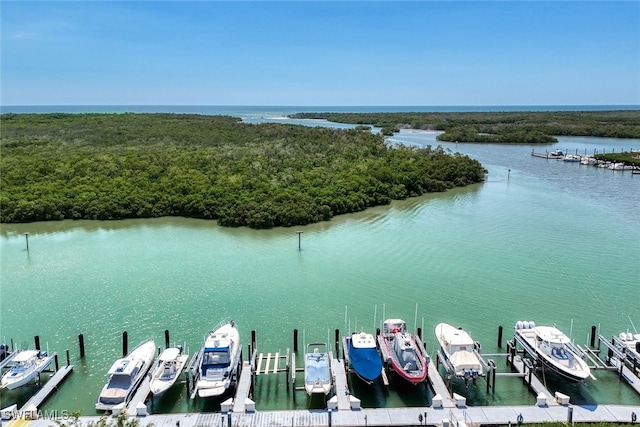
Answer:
(518, 127)
(115, 166)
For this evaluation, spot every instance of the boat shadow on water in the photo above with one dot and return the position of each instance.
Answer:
(409, 394)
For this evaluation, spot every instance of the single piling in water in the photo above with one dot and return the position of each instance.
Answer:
(68, 357)
(337, 341)
(253, 343)
(26, 238)
(295, 340)
(81, 344)
(55, 361)
(125, 343)
(500, 336)
(166, 338)
(37, 340)
(299, 233)
(593, 336)
(419, 333)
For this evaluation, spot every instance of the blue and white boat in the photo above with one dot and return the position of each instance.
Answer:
(364, 356)
(220, 361)
(317, 369)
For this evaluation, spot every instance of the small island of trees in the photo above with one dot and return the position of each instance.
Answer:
(116, 166)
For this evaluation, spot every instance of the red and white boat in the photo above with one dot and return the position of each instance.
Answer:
(401, 349)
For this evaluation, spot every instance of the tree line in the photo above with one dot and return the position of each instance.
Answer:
(116, 166)
(527, 127)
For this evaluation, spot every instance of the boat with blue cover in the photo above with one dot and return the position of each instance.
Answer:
(364, 356)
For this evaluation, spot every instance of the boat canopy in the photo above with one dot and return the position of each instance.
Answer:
(169, 354)
(394, 325)
(363, 340)
(26, 356)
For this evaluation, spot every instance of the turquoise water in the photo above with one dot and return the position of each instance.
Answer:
(540, 240)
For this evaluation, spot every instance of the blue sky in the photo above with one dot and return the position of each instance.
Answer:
(320, 53)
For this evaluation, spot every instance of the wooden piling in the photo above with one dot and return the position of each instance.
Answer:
(253, 342)
(419, 333)
(26, 238)
(125, 343)
(37, 340)
(299, 233)
(81, 344)
(593, 336)
(337, 341)
(295, 340)
(500, 336)
(55, 361)
(68, 357)
(166, 338)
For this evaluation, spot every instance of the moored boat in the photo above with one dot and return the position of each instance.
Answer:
(317, 369)
(554, 349)
(407, 359)
(167, 369)
(220, 360)
(572, 158)
(459, 352)
(364, 356)
(27, 364)
(125, 376)
(556, 154)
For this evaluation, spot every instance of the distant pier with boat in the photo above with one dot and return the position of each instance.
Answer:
(630, 160)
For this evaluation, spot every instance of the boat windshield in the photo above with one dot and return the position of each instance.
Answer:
(218, 358)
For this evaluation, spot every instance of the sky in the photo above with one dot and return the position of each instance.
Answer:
(306, 53)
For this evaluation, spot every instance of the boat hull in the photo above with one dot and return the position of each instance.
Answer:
(15, 378)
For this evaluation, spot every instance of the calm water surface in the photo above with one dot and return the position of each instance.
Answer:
(542, 240)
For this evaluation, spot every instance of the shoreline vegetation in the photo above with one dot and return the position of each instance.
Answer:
(521, 127)
(115, 166)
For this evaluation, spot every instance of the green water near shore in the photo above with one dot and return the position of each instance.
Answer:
(540, 240)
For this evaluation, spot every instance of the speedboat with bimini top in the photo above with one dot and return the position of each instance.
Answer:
(317, 369)
(364, 356)
(125, 376)
(400, 347)
(220, 360)
(27, 364)
(167, 369)
(459, 352)
(554, 349)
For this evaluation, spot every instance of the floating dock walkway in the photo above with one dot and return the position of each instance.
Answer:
(49, 387)
(416, 416)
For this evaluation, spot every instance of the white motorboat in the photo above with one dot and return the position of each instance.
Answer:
(167, 369)
(556, 154)
(629, 345)
(554, 349)
(400, 347)
(459, 352)
(125, 376)
(572, 158)
(27, 364)
(317, 369)
(220, 360)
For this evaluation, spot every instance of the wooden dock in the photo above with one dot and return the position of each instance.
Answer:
(243, 388)
(439, 387)
(140, 396)
(340, 386)
(49, 387)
